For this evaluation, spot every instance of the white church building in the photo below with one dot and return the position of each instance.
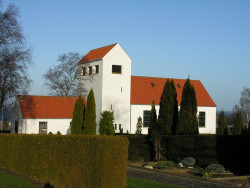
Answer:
(116, 90)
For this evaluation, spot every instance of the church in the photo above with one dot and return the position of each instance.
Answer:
(107, 70)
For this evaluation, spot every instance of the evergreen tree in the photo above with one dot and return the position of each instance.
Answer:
(238, 122)
(106, 126)
(155, 133)
(78, 116)
(90, 115)
(222, 124)
(138, 125)
(168, 113)
(188, 121)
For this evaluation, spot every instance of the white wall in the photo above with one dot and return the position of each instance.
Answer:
(94, 82)
(210, 127)
(116, 87)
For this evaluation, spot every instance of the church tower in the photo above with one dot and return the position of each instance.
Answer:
(107, 70)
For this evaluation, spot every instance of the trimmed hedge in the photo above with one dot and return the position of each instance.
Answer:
(139, 148)
(67, 161)
(230, 151)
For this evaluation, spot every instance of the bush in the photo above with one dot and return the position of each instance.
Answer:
(67, 161)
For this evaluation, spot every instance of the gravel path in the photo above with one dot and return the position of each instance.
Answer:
(162, 177)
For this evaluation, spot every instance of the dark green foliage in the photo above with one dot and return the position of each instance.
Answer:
(138, 125)
(139, 148)
(106, 126)
(50, 133)
(67, 161)
(168, 113)
(78, 116)
(188, 121)
(232, 153)
(238, 122)
(222, 124)
(58, 133)
(155, 133)
(90, 115)
(154, 130)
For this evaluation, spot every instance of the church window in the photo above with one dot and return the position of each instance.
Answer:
(116, 69)
(146, 117)
(42, 127)
(202, 119)
(90, 70)
(97, 69)
(84, 71)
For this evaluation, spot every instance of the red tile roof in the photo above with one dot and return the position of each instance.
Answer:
(96, 54)
(146, 89)
(47, 106)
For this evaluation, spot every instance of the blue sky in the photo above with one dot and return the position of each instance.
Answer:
(208, 40)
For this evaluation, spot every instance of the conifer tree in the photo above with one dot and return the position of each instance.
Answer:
(78, 116)
(155, 133)
(188, 121)
(90, 115)
(106, 126)
(238, 122)
(168, 113)
(222, 124)
(138, 125)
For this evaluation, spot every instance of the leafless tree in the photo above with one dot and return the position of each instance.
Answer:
(244, 104)
(15, 57)
(62, 79)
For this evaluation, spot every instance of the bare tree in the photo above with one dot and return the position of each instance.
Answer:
(244, 104)
(62, 79)
(15, 57)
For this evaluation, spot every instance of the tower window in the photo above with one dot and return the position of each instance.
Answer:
(116, 69)
(84, 71)
(97, 69)
(202, 119)
(90, 70)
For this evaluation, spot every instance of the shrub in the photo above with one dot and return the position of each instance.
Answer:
(106, 126)
(78, 116)
(67, 161)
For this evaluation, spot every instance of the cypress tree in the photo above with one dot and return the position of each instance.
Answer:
(168, 113)
(90, 115)
(106, 126)
(222, 124)
(188, 122)
(78, 116)
(238, 122)
(155, 133)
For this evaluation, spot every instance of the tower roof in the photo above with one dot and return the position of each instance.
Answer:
(96, 54)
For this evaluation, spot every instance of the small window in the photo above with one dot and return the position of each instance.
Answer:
(90, 70)
(120, 126)
(42, 127)
(97, 69)
(116, 69)
(84, 71)
(111, 107)
(152, 84)
(146, 117)
(115, 127)
(202, 119)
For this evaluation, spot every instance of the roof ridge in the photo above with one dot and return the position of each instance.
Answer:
(104, 46)
(48, 96)
(162, 77)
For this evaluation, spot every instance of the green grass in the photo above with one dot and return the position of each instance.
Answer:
(10, 181)
(139, 183)
(7, 180)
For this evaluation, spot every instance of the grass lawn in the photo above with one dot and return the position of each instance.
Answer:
(138, 183)
(10, 181)
(7, 180)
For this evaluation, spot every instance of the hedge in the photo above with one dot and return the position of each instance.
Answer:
(230, 151)
(67, 161)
